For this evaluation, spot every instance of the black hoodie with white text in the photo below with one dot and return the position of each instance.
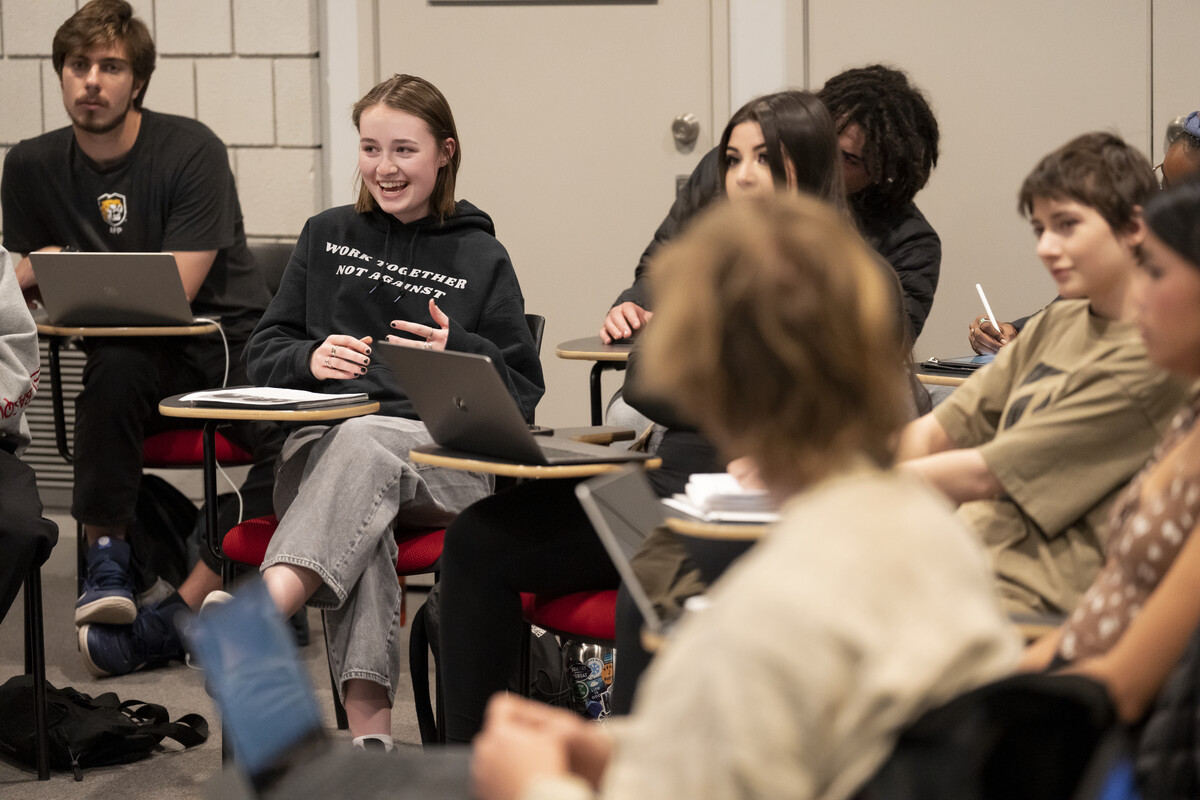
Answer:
(354, 273)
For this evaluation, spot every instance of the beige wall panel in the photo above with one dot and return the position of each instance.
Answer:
(1009, 82)
(1176, 87)
(564, 114)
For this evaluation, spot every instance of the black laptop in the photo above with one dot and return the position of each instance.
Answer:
(624, 509)
(466, 406)
(111, 289)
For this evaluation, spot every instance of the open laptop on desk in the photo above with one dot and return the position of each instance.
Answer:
(464, 403)
(111, 289)
(624, 509)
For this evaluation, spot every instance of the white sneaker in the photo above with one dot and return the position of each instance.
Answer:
(216, 597)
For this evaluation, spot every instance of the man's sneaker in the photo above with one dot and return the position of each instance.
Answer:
(107, 590)
(151, 640)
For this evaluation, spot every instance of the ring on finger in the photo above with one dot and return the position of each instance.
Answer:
(428, 345)
(333, 349)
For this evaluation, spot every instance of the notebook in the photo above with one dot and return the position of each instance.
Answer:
(111, 289)
(464, 403)
(624, 509)
(269, 398)
(963, 365)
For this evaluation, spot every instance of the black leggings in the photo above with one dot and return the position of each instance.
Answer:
(534, 538)
(531, 538)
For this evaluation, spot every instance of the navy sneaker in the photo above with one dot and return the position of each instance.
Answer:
(150, 641)
(107, 590)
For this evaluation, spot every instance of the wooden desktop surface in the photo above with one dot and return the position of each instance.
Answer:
(940, 378)
(591, 348)
(438, 456)
(727, 531)
(596, 434)
(47, 329)
(172, 407)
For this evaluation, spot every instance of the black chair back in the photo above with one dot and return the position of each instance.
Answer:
(537, 328)
(271, 258)
(1032, 736)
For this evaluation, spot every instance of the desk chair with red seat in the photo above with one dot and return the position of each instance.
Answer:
(172, 449)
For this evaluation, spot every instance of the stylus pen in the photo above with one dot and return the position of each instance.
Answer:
(987, 307)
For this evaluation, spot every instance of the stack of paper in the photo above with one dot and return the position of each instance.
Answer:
(269, 397)
(718, 497)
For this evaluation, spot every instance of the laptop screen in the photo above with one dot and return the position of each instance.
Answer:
(111, 289)
(624, 510)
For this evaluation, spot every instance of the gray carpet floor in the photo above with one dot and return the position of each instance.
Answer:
(172, 774)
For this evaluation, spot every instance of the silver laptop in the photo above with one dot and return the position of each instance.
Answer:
(464, 403)
(111, 289)
(624, 509)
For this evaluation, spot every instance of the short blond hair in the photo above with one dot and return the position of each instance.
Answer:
(774, 330)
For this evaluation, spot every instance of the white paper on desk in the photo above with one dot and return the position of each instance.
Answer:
(680, 502)
(720, 491)
(268, 396)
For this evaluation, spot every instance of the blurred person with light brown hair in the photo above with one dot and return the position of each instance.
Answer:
(833, 633)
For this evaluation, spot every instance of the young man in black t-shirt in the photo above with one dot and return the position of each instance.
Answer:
(122, 178)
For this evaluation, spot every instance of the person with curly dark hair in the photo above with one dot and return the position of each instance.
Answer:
(888, 136)
(889, 140)
(898, 135)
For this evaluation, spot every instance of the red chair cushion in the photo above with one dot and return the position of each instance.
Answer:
(185, 448)
(589, 615)
(246, 542)
(419, 554)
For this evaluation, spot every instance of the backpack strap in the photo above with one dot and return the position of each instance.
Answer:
(189, 730)
(145, 712)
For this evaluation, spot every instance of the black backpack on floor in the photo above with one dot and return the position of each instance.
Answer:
(89, 731)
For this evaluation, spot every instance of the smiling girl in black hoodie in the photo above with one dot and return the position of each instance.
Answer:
(405, 258)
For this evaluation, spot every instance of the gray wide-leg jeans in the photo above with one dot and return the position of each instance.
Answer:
(340, 492)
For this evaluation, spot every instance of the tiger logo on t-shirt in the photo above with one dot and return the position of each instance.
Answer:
(112, 208)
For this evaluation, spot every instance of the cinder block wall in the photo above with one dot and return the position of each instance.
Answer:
(248, 69)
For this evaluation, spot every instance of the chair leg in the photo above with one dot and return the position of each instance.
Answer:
(439, 708)
(35, 664)
(526, 661)
(81, 549)
(339, 710)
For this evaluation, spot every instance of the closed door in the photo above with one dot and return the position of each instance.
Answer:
(565, 112)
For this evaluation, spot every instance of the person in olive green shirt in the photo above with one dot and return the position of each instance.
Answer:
(1035, 446)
